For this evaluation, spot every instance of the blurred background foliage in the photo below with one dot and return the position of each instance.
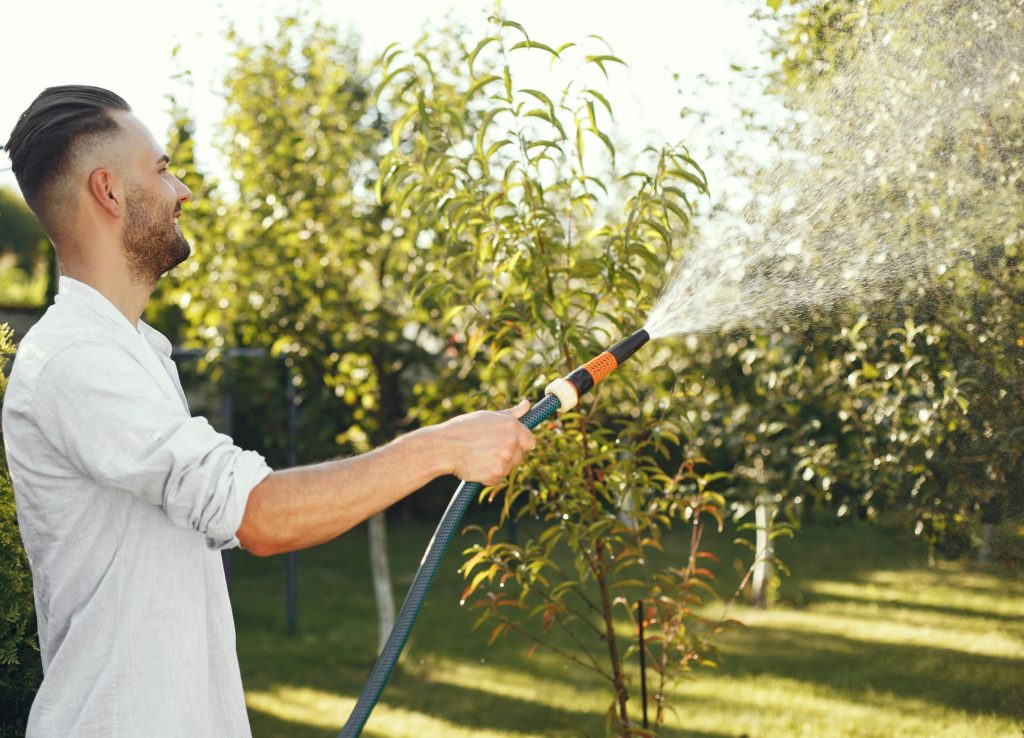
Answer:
(922, 395)
(420, 237)
(25, 254)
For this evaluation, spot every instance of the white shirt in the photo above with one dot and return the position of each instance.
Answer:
(123, 502)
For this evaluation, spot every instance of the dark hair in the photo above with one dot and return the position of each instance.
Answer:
(43, 139)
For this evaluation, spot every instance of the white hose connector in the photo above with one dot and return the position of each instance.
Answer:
(566, 393)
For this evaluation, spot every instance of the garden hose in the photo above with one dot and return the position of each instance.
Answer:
(562, 394)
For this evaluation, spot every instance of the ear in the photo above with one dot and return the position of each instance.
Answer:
(105, 192)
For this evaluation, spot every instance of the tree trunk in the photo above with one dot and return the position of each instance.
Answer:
(985, 552)
(381, 578)
(390, 411)
(763, 514)
(619, 678)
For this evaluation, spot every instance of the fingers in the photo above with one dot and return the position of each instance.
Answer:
(517, 451)
(525, 436)
(519, 410)
(526, 440)
(508, 462)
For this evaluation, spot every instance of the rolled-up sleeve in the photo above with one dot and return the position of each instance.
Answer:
(110, 417)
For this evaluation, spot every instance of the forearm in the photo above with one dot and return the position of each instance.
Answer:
(297, 508)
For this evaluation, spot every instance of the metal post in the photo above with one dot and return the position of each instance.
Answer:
(292, 575)
(227, 422)
(643, 658)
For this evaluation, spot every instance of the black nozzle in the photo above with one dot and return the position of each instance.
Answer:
(629, 345)
(585, 377)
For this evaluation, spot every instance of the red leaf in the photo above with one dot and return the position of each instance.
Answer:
(549, 616)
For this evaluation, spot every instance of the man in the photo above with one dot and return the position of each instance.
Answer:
(124, 500)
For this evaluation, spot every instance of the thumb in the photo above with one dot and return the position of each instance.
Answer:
(519, 410)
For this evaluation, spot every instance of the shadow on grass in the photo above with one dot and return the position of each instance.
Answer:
(471, 709)
(1015, 622)
(267, 725)
(973, 683)
(334, 649)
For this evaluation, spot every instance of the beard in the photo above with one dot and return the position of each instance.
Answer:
(152, 242)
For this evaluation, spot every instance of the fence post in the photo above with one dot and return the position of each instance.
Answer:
(292, 574)
(227, 424)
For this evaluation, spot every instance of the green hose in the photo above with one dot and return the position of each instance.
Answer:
(446, 530)
(561, 394)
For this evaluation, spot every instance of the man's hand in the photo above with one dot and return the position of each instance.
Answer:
(485, 446)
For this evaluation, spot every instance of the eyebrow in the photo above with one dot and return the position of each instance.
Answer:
(165, 159)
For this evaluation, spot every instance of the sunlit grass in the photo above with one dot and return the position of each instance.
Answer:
(867, 641)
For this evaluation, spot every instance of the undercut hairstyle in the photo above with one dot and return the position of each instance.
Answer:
(44, 140)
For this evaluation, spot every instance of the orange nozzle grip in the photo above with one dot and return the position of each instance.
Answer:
(601, 366)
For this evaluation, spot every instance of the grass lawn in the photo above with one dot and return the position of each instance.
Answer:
(867, 641)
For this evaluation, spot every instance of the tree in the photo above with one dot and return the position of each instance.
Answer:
(915, 139)
(533, 272)
(875, 366)
(294, 254)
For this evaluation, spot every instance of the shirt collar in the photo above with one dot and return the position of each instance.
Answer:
(75, 292)
(156, 339)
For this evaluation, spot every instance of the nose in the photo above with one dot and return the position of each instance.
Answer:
(184, 193)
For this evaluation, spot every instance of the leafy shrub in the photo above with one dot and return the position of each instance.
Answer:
(20, 668)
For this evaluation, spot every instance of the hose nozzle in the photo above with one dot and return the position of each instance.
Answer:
(575, 384)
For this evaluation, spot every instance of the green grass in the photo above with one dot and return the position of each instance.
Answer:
(866, 641)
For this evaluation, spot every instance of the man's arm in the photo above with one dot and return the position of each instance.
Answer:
(105, 416)
(297, 508)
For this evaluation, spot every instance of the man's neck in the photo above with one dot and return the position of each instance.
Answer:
(128, 296)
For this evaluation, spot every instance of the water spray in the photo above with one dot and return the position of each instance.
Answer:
(561, 395)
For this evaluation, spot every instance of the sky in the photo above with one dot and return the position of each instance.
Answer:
(127, 46)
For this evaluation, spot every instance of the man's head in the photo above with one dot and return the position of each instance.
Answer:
(93, 173)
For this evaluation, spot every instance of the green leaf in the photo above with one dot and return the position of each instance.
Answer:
(390, 77)
(517, 26)
(600, 98)
(563, 47)
(601, 59)
(698, 182)
(452, 312)
(534, 45)
(480, 83)
(606, 141)
(540, 96)
(483, 43)
(476, 339)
